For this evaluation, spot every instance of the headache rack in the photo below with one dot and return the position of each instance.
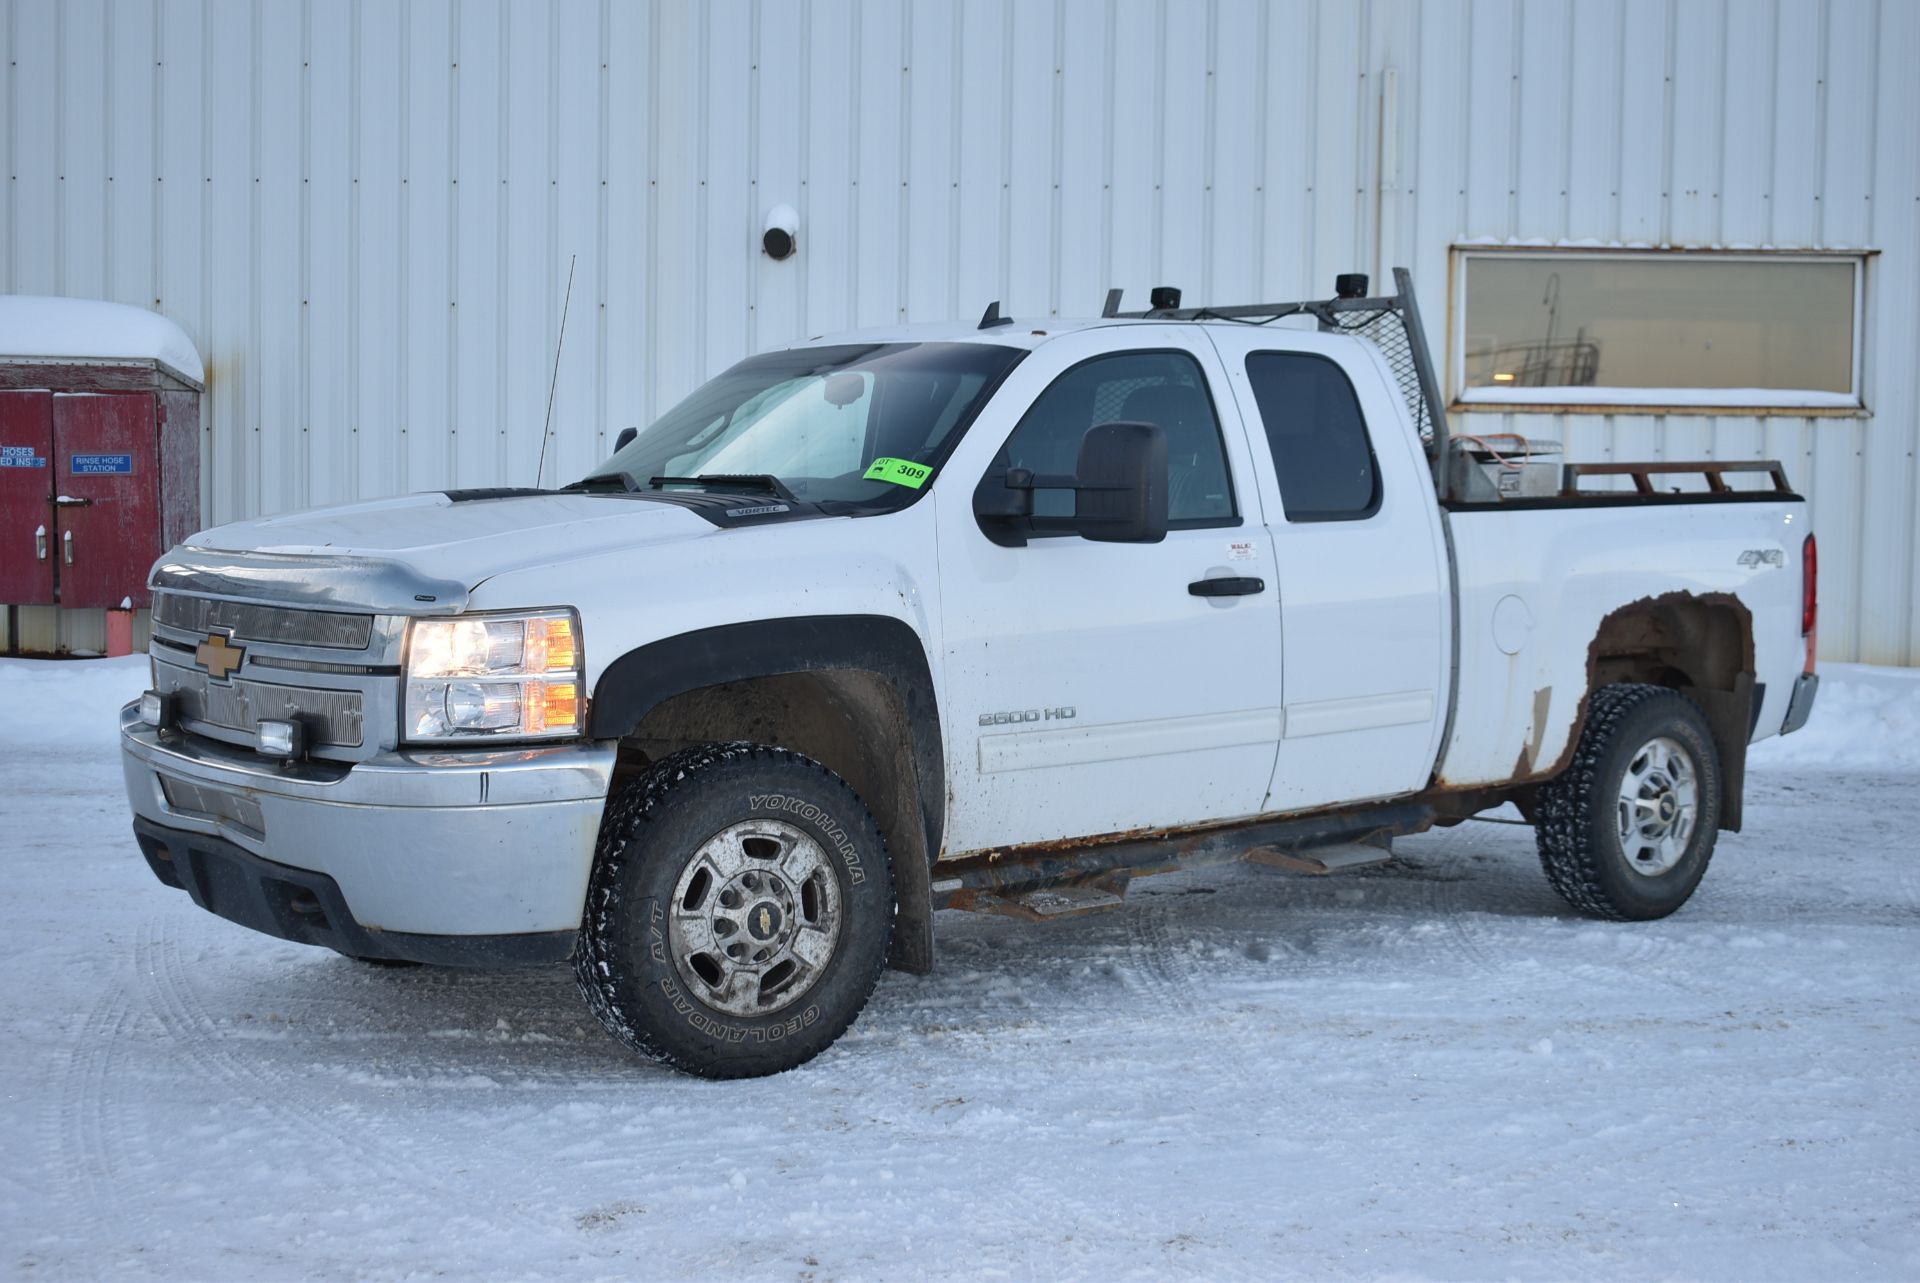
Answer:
(1467, 469)
(1391, 322)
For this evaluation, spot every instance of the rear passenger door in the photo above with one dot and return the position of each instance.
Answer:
(1364, 591)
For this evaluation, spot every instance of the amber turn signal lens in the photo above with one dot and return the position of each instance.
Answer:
(550, 645)
(552, 706)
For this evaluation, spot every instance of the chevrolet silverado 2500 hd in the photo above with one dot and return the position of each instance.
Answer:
(991, 618)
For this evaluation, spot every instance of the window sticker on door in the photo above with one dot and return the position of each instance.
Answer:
(94, 465)
(1240, 550)
(20, 456)
(901, 472)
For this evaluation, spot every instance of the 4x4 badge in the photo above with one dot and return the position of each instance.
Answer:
(218, 658)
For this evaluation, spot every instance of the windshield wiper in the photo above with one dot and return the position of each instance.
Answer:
(728, 481)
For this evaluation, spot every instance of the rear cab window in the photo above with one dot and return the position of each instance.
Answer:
(1323, 455)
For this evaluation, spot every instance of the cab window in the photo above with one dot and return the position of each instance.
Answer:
(1321, 452)
(1167, 389)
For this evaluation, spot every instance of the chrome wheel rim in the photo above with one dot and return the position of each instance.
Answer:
(755, 918)
(1659, 801)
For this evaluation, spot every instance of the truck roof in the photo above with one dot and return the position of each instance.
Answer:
(1020, 331)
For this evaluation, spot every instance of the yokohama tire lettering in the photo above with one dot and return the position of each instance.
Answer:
(814, 815)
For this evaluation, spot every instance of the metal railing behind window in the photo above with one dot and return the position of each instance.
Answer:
(1391, 323)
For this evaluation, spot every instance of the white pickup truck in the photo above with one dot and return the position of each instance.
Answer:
(991, 618)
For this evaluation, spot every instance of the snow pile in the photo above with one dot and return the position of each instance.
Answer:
(69, 329)
(1865, 718)
(70, 703)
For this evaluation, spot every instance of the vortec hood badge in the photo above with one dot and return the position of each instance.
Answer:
(218, 658)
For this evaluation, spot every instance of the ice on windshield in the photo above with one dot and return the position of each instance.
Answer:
(805, 428)
(818, 418)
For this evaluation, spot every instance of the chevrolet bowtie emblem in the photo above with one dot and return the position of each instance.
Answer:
(218, 658)
(766, 922)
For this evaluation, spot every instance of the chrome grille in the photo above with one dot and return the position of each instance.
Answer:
(250, 621)
(331, 717)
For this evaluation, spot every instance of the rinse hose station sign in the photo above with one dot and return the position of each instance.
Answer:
(99, 465)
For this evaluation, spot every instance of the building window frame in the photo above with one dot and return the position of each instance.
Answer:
(1652, 401)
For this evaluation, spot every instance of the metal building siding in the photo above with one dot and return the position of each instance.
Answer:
(364, 211)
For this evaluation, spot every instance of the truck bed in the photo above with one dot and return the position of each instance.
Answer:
(1539, 577)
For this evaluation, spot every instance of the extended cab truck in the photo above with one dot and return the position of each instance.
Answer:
(991, 618)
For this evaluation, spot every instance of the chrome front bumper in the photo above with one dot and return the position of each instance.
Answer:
(424, 842)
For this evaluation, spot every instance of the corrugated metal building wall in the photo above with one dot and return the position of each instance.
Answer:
(364, 211)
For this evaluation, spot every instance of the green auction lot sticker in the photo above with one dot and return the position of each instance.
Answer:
(902, 472)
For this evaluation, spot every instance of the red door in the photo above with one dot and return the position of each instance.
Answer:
(26, 494)
(107, 497)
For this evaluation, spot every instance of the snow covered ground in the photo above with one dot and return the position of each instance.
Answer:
(1426, 1071)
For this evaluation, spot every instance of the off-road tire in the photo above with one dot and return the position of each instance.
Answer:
(1576, 821)
(652, 830)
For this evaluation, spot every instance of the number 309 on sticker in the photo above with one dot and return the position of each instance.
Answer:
(901, 472)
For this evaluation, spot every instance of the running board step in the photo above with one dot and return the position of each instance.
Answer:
(1050, 904)
(1321, 860)
(1000, 881)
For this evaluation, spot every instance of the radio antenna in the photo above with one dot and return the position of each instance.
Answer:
(546, 428)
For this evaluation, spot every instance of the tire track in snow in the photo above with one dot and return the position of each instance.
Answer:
(1465, 881)
(1173, 979)
(283, 1095)
(1043, 1214)
(1165, 971)
(94, 1137)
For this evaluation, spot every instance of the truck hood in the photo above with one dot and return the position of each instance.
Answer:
(463, 541)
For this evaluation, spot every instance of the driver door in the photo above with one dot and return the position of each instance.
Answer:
(1090, 688)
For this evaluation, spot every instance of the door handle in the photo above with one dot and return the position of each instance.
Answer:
(66, 545)
(1233, 586)
(68, 501)
(40, 544)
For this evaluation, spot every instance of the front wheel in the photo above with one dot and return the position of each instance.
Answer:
(1627, 830)
(739, 912)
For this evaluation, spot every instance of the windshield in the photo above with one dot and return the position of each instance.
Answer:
(859, 426)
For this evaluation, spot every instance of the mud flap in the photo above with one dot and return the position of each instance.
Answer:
(1730, 718)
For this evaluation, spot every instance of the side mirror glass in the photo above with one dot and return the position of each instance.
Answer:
(1119, 485)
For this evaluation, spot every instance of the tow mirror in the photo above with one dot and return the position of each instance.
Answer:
(1120, 495)
(1119, 489)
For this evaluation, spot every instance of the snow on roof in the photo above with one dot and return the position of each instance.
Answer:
(69, 329)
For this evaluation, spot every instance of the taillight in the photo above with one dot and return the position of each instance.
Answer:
(1809, 595)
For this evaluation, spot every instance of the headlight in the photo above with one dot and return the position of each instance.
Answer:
(494, 676)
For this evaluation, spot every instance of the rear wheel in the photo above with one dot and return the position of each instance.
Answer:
(1627, 830)
(739, 913)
